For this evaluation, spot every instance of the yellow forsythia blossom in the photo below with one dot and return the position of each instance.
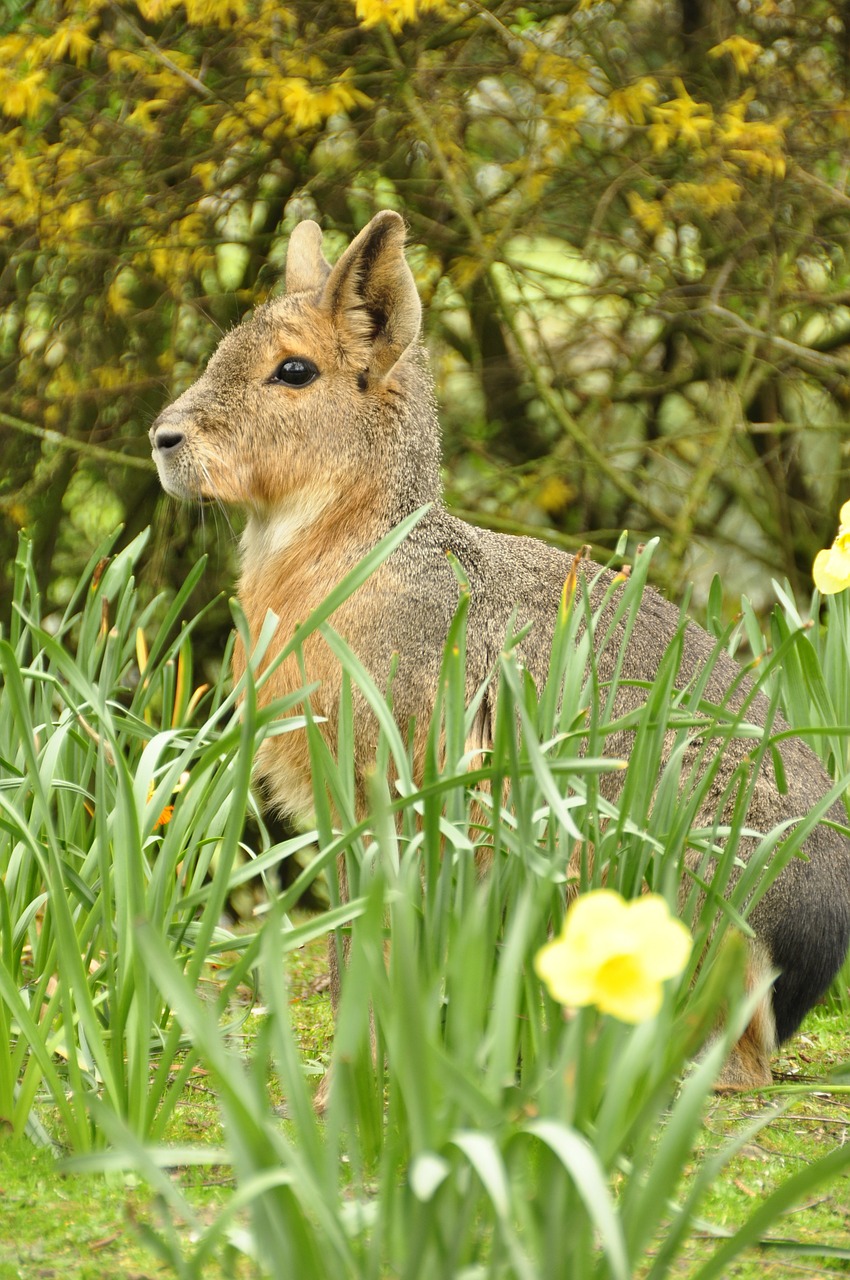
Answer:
(23, 98)
(709, 197)
(69, 40)
(831, 569)
(554, 494)
(754, 145)
(615, 955)
(648, 213)
(681, 119)
(742, 51)
(395, 13)
(219, 13)
(633, 101)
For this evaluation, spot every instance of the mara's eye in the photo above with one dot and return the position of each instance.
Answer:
(295, 372)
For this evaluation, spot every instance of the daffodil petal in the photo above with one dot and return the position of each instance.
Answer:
(568, 980)
(827, 580)
(663, 942)
(595, 909)
(839, 559)
(625, 992)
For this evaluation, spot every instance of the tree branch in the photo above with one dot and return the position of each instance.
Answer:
(76, 446)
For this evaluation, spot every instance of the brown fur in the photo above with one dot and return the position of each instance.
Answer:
(748, 1065)
(326, 468)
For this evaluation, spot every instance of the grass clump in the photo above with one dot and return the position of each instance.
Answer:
(473, 1129)
(112, 810)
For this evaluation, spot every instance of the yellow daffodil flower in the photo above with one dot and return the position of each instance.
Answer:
(831, 569)
(615, 954)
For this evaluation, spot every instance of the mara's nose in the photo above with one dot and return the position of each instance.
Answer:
(166, 440)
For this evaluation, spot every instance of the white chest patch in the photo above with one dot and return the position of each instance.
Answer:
(266, 536)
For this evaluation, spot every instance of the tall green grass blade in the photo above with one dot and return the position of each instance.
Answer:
(582, 1164)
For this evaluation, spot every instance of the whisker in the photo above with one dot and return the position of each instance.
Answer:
(218, 506)
(209, 317)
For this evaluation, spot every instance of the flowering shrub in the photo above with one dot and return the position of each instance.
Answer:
(615, 954)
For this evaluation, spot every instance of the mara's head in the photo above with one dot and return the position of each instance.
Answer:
(320, 390)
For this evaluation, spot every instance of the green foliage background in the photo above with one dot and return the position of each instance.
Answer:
(628, 222)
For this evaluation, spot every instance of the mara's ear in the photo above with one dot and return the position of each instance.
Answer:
(306, 268)
(372, 298)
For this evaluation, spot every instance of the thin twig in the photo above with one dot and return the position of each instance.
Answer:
(192, 81)
(803, 354)
(840, 197)
(76, 446)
